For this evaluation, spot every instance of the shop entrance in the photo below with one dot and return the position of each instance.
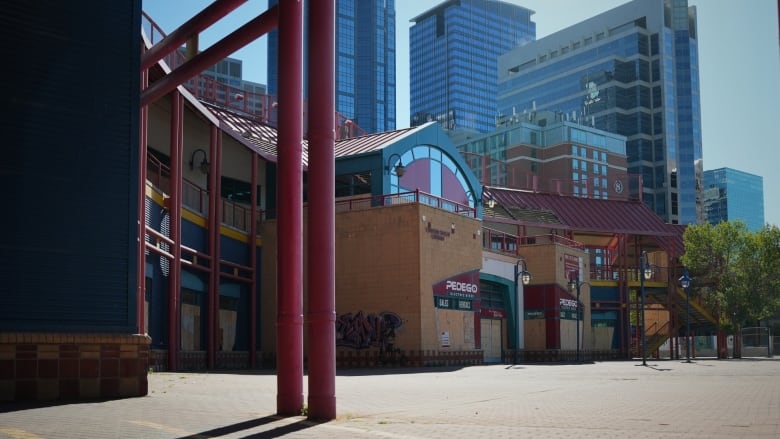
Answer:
(491, 340)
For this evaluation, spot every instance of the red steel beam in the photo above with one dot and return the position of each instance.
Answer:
(253, 264)
(193, 26)
(244, 35)
(174, 210)
(214, 223)
(321, 311)
(289, 321)
(141, 250)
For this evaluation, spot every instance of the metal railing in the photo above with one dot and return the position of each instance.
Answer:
(196, 199)
(417, 196)
(503, 242)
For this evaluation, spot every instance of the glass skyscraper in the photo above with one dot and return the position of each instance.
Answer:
(365, 62)
(453, 51)
(634, 71)
(730, 195)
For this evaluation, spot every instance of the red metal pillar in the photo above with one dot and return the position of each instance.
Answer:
(321, 312)
(141, 255)
(214, 224)
(289, 313)
(174, 210)
(253, 264)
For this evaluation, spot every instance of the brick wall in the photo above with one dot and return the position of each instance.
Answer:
(49, 366)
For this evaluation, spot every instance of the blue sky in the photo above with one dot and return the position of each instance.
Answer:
(739, 63)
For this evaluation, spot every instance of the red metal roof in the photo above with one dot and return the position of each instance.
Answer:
(587, 214)
(264, 137)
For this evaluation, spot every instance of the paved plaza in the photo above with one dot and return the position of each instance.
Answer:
(672, 398)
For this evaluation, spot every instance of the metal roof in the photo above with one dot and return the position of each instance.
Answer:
(585, 214)
(265, 137)
(373, 142)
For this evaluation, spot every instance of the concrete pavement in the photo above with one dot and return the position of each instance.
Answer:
(703, 399)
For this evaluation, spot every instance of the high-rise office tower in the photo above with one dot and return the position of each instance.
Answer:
(365, 62)
(729, 195)
(453, 51)
(634, 71)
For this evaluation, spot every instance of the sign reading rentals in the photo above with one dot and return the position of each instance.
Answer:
(460, 292)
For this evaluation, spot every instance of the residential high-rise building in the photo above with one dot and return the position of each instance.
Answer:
(453, 51)
(237, 92)
(365, 62)
(730, 194)
(634, 71)
(547, 153)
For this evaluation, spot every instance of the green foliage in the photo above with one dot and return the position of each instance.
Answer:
(736, 271)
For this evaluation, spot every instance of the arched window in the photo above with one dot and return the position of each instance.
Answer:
(433, 171)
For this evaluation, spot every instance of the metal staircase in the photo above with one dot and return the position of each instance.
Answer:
(657, 335)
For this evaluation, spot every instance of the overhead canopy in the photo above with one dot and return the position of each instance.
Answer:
(584, 215)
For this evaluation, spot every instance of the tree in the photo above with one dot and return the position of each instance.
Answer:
(736, 271)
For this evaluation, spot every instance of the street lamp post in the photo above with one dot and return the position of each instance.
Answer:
(685, 283)
(522, 273)
(646, 273)
(574, 285)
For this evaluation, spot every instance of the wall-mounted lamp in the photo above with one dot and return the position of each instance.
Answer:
(489, 200)
(400, 169)
(204, 164)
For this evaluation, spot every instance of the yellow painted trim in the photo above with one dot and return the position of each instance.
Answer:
(233, 233)
(200, 221)
(193, 217)
(154, 195)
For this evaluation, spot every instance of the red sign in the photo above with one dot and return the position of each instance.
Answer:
(492, 313)
(462, 286)
(571, 264)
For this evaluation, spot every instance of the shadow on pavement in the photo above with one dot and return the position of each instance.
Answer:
(246, 425)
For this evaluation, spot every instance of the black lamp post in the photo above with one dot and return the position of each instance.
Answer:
(646, 273)
(574, 285)
(685, 283)
(521, 273)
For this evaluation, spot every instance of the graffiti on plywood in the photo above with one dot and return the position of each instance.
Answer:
(361, 330)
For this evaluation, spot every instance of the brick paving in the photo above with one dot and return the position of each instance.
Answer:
(674, 399)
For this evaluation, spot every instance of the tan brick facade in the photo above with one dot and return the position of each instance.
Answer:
(37, 366)
(387, 261)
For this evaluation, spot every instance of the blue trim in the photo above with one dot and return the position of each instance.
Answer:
(230, 289)
(192, 281)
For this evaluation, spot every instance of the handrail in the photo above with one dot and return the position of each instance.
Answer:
(195, 198)
(503, 242)
(416, 196)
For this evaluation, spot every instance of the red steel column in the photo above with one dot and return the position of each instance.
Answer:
(321, 312)
(141, 269)
(214, 223)
(253, 264)
(289, 312)
(174, 284)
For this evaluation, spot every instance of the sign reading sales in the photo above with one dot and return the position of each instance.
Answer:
(459, 292)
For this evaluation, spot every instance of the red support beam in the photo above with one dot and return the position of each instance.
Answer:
(253, 264)
(244, 35)
(141, 256)
(174, 211)
(321, 311)
(289, 321)
(192, 27)
(212, 310)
